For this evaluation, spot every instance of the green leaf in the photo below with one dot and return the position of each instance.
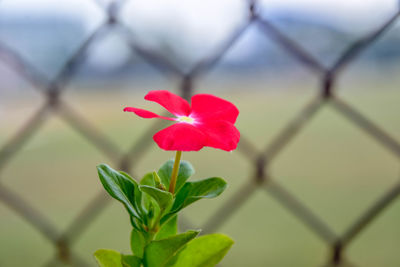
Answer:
(137, 194)
(130, 261)
(205, 251)
(185, 171)
(148, 179)
(163, 198)
(121, 187)
(112, 258)
(138, 242)
(159, 252)
(108, 258)
(170, 228)
(193, 191)
(147, 200)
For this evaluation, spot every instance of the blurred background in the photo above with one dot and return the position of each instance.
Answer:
(316, 175)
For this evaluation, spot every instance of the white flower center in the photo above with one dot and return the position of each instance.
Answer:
(186, 119)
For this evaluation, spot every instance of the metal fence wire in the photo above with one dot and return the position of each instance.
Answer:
(260, 179)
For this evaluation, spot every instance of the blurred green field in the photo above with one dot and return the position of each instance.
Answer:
(332, 166)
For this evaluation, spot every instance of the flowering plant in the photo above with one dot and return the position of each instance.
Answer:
(153, 204)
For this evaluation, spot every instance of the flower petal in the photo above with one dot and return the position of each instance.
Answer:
(146, 114)
(209, 107)
(220, 134)
(180, 136)
(171, 102)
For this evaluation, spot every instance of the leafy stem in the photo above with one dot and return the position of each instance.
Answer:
(175, 171)
(153, 211)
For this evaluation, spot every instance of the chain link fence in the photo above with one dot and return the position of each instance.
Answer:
(259, 180)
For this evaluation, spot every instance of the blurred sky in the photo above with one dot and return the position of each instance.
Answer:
(365, 12)
(183, 27)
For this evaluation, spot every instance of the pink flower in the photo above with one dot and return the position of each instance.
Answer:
(209, 121)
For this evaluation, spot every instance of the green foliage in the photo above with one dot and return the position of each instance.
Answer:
(138, 242)
(137, 194)
(157, 181)
(130, 261)
(148, 179)
(159, 252)
(154, 239)
(112, 258)
(163, 198)
(170, 228)
(205, 251)
(186, 170)
(108, 258)
(147, 200)
(121, 187)
(193, 191)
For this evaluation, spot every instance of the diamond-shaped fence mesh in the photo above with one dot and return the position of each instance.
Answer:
(259, 180)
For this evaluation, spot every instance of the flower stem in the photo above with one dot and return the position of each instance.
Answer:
(175, 171)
